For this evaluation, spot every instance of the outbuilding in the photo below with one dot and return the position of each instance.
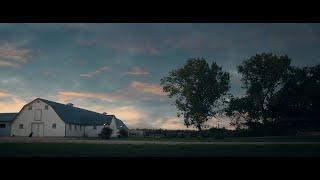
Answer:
(5, 123)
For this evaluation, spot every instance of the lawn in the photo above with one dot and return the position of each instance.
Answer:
(125, 150)
(230, 139)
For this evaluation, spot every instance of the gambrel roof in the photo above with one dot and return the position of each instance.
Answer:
(75, 115)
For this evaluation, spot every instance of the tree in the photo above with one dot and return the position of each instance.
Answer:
(123, 132)
(263, 75)
(106, 133)
(199, 90)
(299, 97)
(238, 111)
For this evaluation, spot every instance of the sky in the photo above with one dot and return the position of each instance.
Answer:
(116, 68)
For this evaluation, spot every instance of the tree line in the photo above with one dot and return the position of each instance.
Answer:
(279, 98)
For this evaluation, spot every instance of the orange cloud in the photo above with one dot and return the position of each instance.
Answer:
(138, 71)
(148, 88)
(13, 56)
(8, 63)
(129, 114)
(64, 96)
(14, 105)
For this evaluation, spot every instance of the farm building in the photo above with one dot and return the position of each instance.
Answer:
(47, 118)
(5, 123)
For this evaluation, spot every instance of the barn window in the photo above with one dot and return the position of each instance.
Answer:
(54, 126)
(2, 125)
(20, 126)
(75, 127)
(30, 107)
(94, 127)
(46, 107)
(70, 127)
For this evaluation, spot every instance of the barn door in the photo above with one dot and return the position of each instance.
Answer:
(34, 129)
(40, 129)
(37, 114)
(37, 129)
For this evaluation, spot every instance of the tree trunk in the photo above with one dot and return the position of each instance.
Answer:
(199, 130)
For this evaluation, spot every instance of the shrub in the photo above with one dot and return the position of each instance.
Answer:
(123, 133)
(106, 133)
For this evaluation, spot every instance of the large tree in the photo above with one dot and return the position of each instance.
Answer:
(300, 95)
(263, 75)
(199, 90)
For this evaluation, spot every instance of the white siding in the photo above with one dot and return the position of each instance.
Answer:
(90, 132)
(48, 117)
(74, 132)
(113, 126)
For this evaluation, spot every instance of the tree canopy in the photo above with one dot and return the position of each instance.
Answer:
(275, 90)
(263, 75)
(199, 90)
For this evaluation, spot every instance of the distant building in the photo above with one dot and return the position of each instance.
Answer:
(51, 119)
(136, 133)
(5, 123)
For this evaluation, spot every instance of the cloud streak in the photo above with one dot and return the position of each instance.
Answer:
(10, 103)
(138, 71)
(136, 48)
(65, 96)
(9, 64)
(12, 55)
(95, 72)
(148, 88)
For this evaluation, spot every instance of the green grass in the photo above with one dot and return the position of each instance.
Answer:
(229, 139)
(112, 150)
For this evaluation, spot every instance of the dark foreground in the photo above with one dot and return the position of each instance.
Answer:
(155, 150)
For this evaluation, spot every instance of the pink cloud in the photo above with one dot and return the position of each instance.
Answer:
(14, 105)
(169, 123)
(148, 88)
(65, 96)
(12, 55)
(130, 114)
(138, 71)
(9, 64)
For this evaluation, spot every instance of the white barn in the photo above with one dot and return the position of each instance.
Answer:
(51, 119)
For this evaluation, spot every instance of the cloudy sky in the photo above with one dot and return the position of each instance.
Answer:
(116, 68)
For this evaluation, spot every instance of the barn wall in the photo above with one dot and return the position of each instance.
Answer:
(113, 126)
(90, 132)
(27, 117)
(5, 131)
(72, 131)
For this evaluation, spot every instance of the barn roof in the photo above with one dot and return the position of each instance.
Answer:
(75, 115)
(120, 124)
(7, 117)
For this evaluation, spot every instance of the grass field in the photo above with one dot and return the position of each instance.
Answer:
(228, 139)
(65, 149)
(150, 150)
